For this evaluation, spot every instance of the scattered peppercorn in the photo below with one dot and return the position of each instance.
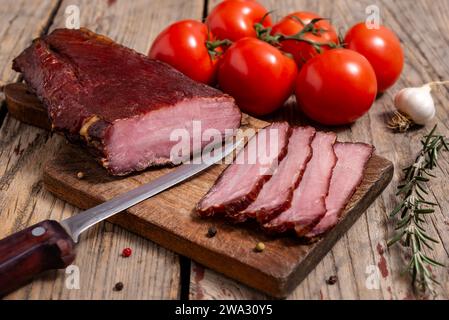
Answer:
(80, 175)
(332, 280)
(118, 286)
(211, 232)
(126, 252)
(260, 247)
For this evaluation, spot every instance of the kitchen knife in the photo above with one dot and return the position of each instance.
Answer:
(51, 245)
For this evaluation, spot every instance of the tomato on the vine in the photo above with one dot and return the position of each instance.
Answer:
(259, 76)
(235, 19)
(322, 34)
(336, 87)
(382, 49)
(184, 46)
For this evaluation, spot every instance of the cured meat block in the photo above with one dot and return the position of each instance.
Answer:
(122, 105)
(308, 202)
(346, 177)
(242, 181)
(277, 193)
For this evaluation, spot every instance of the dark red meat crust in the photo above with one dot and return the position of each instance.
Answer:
(79, 75)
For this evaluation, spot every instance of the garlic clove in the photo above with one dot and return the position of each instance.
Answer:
(417, 103)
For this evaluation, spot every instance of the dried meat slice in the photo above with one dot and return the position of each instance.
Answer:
(308, 202)
(277, 193)
(242, 181)
(346, 177)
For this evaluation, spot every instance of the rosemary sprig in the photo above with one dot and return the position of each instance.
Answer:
(410, 228)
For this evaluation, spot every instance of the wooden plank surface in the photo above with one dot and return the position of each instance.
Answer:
(20, 22)
(365, 268)
(420, 25)
(152, 272)
(283, 264)
(169, 219)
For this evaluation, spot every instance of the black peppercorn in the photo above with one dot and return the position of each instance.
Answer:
(211, 232)
(118, 286)
(332, 280)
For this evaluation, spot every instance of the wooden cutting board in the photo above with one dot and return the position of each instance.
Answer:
(168, 218)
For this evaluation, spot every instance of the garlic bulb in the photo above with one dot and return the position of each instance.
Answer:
(417, 103)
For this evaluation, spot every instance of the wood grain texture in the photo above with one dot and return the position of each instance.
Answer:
(278, 270)
(421, 26)
(169, 220)
(361, 256)
(20, 22)
(152, 272)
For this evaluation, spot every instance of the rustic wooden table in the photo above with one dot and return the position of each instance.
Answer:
(364, 266)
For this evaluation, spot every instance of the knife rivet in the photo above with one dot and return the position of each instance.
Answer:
(38, 231)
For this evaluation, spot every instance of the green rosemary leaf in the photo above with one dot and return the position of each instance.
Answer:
(429, 136)
(397, 209)
(421, 188)
(395, 239)
(434, 156)
(433, 262)
(433, 143)
(429, 174)
(428, 202)
(427, 237)
(418, 224)
(434, 280)
(445, 144)
(424, 211)
(411, 227)
(407, 239)
(419, 194)
(422, 239)
(417, 266)
(420, 178)
(413, 271)
(405, 189)
(402, 223)
(424, 242)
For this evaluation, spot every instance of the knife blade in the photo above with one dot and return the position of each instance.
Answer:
(51, 245)
(79, 223)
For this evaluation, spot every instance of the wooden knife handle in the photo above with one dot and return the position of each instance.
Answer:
(27, 253)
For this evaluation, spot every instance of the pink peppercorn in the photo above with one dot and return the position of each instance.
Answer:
(126, 252)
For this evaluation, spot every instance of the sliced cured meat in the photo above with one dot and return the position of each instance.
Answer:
(242, 181)
(277, 193)
(346, 177)
(122, 105)
(308, 202)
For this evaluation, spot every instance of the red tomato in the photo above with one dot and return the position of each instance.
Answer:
(183, 46)
(382, 49)
(300, 50)
(235, 19)
(257, 75)
(336, 87)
